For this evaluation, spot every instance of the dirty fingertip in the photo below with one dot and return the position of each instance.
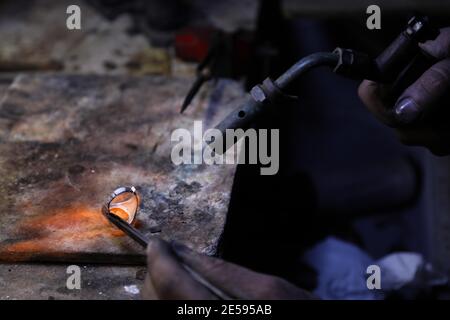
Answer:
(154, 248)
(179, 248)
(440, 47)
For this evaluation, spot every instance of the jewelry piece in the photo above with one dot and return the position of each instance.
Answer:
(124, 203)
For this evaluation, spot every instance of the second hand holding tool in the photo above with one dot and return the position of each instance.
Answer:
(121, 210)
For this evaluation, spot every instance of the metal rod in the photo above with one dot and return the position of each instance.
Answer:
(307, 63)
(137, 236)
(243, 116)
(128, 229)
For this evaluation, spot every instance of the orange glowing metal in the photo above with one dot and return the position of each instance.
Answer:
(67, 229)
(124, 203)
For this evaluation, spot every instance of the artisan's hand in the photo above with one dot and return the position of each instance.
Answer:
(168, 279)
(422, 112)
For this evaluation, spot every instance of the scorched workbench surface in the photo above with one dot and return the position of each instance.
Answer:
(68, 141)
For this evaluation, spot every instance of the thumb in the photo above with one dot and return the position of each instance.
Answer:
(424, 94)
(168, 279)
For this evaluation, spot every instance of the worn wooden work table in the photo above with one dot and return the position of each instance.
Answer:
(67, 141)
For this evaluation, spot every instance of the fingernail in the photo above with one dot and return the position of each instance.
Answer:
(407, 110)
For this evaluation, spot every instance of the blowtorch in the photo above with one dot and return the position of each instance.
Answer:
(401, 63)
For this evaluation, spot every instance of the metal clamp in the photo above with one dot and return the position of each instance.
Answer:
(268, 92)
